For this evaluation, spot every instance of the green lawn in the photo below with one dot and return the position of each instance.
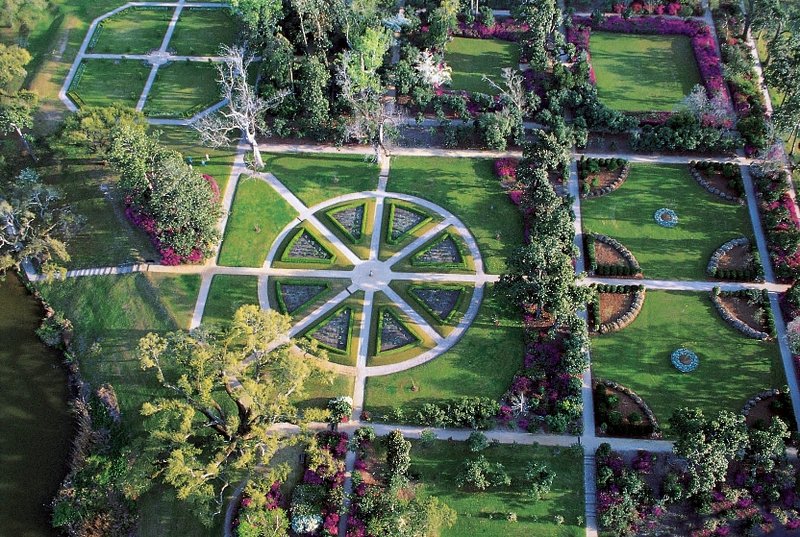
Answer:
(482, 363)
(361, 246)
(228, 293)
(178, 295)
(106, 82)
(485, 513)
(470, 59)
(257, 216)
(133, 31)
(643, 73)
(732, 368)
(705, 221)
(316, 178)
(200, 32)
(182, 90)
(468, 189)
(106, 237)
(186, 141)
(317, 391)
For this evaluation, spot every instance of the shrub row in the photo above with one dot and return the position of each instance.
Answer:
(469, 412)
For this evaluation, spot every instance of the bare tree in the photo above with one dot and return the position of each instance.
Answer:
(371, 121)
(245, 110)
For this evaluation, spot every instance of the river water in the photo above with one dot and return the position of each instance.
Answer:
(35, 425)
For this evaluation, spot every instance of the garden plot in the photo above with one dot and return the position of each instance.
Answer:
(136, 30)
(731, 367)
(643, 73)
(201, 32)
(670, 252)
(107, 82)
(182, 90)
(228, 293)
(472, 59)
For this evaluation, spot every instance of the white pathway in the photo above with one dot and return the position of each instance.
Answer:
(156, 58)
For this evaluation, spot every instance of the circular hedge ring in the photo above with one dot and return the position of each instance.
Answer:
(685, 360)
(666, 217)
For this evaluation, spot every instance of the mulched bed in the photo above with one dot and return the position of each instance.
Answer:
(334, 333)
(295, 295)
(718, 181)
(602, 179)
(394, 334)
(404, 221)
(444, 252)
(351, 219)
(440, 301)
(738, 258)
(307, 247)
(606, 255)
(744, 312)
(614, 305)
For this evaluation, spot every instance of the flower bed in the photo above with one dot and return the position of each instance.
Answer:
(317, 501)
(619, 321)
(684, 360)
(779, 214)
(631, 268)
(727, 176)
(612, 422)
(666, 217)
(507, 29)
(705, 51)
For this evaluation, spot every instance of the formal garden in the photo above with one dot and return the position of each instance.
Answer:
(319, 317)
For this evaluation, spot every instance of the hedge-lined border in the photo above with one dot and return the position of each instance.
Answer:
(306, 260)
(445, 287)
(638, 400)
(754, 273)
(696, 173)
(463, 265)
(330, 212)
(98, 31)
(716, 298)
(379, 331)
(298, 281)
(757, 398)
(631, 269)
(326, 320)
(390, 224)
(626, 318)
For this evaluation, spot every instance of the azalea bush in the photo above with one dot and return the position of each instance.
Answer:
(781, 220)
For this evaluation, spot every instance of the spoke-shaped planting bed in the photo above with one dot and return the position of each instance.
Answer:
(294, 296)
(350, 220)
(403, 221)
(335, 333)
(393, 334)
(441, 302)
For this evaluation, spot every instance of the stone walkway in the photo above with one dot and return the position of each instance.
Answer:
(156, 58)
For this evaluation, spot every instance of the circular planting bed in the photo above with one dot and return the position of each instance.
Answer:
(666, 217)
(684, 360)
(366, 311)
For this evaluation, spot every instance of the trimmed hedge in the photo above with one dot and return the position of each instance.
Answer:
(750, 295)
(387, 310)
(330, 212)
(325, 321)
(392, 207)
(415, 261)
(279, 295)
(286, 258)
(446, 287)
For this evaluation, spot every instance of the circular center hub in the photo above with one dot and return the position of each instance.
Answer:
(371, 274)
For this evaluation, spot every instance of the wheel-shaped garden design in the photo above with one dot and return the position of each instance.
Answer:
(381, 281)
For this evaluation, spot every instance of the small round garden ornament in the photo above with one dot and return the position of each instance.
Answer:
(666, 217)
(685, 360)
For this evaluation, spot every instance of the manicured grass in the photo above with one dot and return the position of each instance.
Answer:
(106, 237)
(485, 513)
(183, 90)
(316, 178)
(468, 189)
(133, 31)
(732, 368)
(200, 32)
(257, 216)
(470, 59)
(161, 513)
(482, 364)
(401, 287)
(186, 141)
(643, 73)
(424, 341)
(228, 293)
(317, 391)
(106, 82)
(178, 295)
(705, 221)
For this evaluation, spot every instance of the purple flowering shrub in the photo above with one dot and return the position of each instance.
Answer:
(779, 214)
(507, 29)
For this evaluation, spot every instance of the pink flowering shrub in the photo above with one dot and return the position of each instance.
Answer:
(507, 30)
